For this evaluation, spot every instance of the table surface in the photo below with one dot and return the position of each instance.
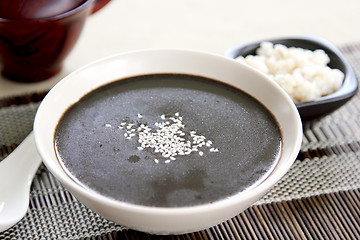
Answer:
(207, 25)
(318, 198)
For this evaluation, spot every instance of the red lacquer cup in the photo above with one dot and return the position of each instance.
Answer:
(36, 36)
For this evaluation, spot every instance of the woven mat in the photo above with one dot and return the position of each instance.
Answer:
(318, 198)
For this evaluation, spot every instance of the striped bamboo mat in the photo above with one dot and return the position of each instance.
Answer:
(319, 198)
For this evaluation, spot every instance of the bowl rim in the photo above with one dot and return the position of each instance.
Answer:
(246, 196)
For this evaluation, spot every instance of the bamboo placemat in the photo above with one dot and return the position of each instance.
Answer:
(319, 198)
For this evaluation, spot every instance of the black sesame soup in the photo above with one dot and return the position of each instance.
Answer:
(168, 140)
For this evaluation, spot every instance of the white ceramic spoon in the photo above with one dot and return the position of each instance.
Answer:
(16, 174)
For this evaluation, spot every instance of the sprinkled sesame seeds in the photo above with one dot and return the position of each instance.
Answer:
(167, 138)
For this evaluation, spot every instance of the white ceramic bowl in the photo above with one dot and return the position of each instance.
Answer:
(156, 219)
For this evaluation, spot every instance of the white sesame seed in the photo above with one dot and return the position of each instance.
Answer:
(156, 160)
(214, 150)
(107, 125)
(139, 115)
(201, 153)
(168, 161)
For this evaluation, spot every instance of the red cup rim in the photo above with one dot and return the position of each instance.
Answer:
(54, 17)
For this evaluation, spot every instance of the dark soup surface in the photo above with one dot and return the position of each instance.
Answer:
(168, 140)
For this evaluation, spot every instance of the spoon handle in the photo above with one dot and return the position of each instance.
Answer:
(16, 173)
(24, 160)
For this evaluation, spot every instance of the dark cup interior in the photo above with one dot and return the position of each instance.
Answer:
(324, 105)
